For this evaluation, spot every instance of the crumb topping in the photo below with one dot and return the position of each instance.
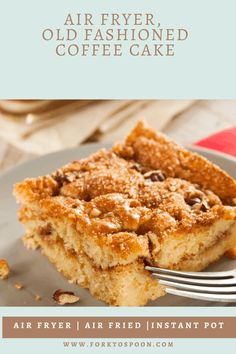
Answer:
(4, 269)
(37, 297)
(18, 286)
(116, 195)
(146, 186)
(65, 297)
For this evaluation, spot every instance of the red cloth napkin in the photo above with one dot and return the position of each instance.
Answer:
(223, 141)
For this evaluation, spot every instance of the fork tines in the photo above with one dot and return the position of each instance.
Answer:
(209, 286)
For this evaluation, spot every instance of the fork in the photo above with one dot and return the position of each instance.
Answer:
(209, 286)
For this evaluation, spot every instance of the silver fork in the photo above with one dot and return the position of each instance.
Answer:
(209, 286)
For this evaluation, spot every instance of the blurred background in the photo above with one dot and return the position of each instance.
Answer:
(36, 127)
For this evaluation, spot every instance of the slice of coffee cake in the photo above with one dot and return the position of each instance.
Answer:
(148, 200)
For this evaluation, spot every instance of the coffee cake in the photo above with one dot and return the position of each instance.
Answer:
(100, 220)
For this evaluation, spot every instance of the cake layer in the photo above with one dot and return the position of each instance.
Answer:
(105, 250)
(186, 250)
(199, 261)
(129, 285)
(173, 252)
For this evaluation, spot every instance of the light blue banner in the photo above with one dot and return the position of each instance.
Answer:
(87, 346)
(203, 65)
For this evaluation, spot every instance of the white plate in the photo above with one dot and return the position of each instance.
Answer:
(32, 269)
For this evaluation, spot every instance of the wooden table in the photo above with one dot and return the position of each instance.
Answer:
(199, 120)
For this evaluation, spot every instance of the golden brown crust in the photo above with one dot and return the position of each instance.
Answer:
(156, 151)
